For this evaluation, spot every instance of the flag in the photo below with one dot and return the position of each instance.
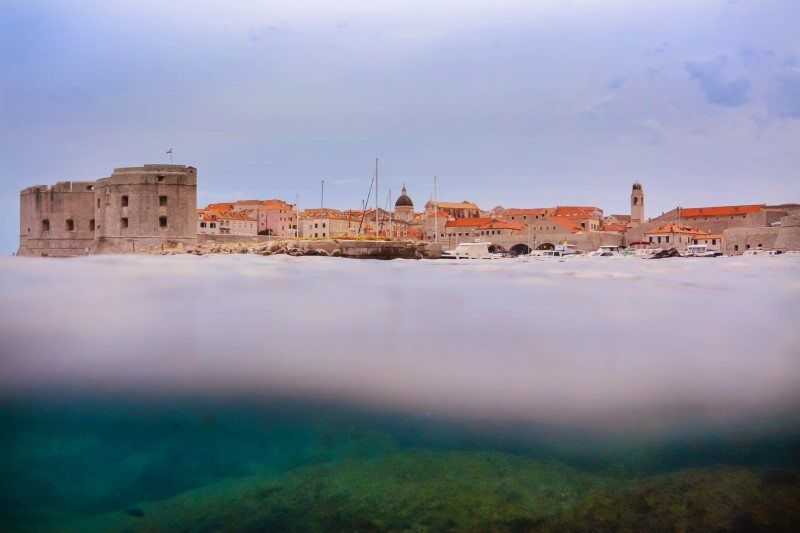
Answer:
(169, 151)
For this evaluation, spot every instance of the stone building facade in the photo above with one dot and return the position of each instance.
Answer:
(133, 209)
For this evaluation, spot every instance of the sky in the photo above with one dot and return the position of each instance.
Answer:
(514, 103)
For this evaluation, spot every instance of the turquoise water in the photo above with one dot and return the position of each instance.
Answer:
(63, 460)
(251, 394)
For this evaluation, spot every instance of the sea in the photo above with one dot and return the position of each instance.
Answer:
(248, 393)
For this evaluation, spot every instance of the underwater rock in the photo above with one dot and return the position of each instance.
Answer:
(664, 254)
(469, 491)
(135, 512)
(778, 477)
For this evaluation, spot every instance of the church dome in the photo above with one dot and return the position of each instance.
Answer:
(403, 200)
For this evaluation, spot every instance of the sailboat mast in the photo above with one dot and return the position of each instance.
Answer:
(376, 197)
(435, 213)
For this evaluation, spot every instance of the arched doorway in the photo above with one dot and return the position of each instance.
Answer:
(520, 249)
(545, 246)
(496, 249)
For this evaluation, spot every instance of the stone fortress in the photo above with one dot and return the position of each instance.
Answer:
(153, 207)
(134, 209)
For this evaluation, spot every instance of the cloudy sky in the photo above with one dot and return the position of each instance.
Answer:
(510, 102)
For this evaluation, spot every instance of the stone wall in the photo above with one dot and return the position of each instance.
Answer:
(57, 221)
(161, 207)
(788, 234)
(737, 240)
(132, 210)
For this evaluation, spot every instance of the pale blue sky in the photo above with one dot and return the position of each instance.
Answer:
(511, 102)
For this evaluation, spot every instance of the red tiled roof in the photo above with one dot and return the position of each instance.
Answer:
(502, 224)
(220, 206)
(720, 210)
(474, 222)
(614, 227)
(567, 224)
(675, 228)
(525, 211)
(572, 211)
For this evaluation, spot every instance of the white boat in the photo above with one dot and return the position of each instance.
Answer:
(701, 250)
(760, 251)
(647, 252)
(552, 253)
(608, 250)
(471, 250)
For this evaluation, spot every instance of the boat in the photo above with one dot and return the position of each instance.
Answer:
(647, 252)
(761, 251)
(471, 250)
(701, 250)
(607, 250)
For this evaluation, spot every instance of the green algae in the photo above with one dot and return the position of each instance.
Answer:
(460, 491)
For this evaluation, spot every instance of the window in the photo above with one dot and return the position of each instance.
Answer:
(735, 247)
(713, 242)
(98, 203)
(323, 224)
(746, 246)
(315, 225)
(202, 224)
(162, 222)
(91, 225)
(212, 225)
(45, 225)
(124, 201)
(160, 177)
(162, 200)
(90, 187)
(666, 239)
(124, 222)
(70, 225)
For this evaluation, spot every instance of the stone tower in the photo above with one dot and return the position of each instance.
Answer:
(404, 207)
(133, 209)
(637, 203)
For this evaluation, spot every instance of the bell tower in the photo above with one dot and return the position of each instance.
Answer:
(637, 203)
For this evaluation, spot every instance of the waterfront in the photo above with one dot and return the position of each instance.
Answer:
(247, 391)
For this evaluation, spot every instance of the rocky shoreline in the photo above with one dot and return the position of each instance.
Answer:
(353, 249)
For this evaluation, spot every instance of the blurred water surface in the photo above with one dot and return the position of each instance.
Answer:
(132, 380)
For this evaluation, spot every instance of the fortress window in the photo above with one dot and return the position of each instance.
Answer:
(162, 200)
(70, 225)
(213, 225)
(160, 177)
(45, 225)
(91, 225)
(90, 187)
(162, 222)
(124, 201)
(98, 203)
(124, 222)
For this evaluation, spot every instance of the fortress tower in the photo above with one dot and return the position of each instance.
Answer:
(637, 203)
(404, 207)
(133, 209)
